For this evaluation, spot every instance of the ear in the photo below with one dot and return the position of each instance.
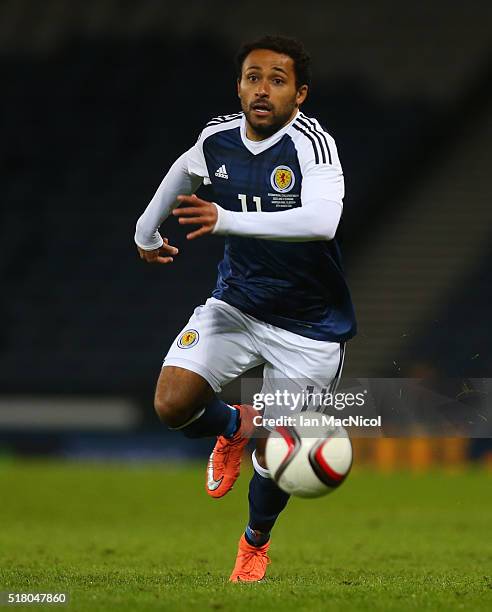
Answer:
(301, 95)
(238, 88)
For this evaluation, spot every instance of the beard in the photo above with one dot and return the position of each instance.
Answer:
(268, 128)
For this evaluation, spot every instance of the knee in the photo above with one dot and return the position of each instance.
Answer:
(170, 407)
(260, 452)
(260, 457)
(179, 395)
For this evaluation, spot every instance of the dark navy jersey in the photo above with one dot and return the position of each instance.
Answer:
(298, 286)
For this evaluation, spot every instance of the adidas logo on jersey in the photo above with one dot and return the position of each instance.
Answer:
(222, 172)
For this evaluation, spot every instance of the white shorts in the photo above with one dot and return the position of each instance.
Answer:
(220, 343)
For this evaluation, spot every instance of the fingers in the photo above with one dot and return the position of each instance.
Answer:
(162, 255)
(199, 232)
(196, 220)
(168, 249)
(157, 259)
(181, 212)
(193, 200)
(196, 212)
(193, 215)
(153, 258)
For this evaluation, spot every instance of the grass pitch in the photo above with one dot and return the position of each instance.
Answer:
(148, 538)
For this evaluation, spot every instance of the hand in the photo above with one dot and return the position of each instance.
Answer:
(198, 212)
(155, 256)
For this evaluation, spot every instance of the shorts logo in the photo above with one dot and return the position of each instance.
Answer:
(283, 179)
(188, 339)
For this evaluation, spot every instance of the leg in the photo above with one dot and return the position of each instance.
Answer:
(266, 502)
(294, 363)
(260, 452)
(185, 401)
(266, 499)
(213, 349)
(286, 371)
(179, 394)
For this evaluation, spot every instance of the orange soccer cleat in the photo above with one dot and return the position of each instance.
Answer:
(251, 562)
(224, 463)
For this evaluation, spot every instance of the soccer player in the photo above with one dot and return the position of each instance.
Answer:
(281, 298)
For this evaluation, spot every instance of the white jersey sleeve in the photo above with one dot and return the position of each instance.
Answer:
(322, 195)
(315, 221)
(195, 160)
(184, 178)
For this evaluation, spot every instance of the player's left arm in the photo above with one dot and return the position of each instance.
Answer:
(317, 219)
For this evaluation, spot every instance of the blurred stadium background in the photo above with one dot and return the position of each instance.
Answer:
(99, 98)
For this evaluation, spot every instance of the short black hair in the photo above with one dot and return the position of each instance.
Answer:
(280, 44)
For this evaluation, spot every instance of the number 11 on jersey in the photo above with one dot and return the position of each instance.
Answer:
(244, 202)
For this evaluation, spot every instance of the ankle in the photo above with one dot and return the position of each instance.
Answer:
(257, 538)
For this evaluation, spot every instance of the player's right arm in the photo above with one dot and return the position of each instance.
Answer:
(151, 246)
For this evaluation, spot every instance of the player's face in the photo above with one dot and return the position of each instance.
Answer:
(268, 93)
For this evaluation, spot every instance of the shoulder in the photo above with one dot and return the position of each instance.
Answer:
(222, 119)
(313, 143)
(220, 124)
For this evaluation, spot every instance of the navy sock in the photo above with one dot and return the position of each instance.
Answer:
(266, 502)
(214, 419)
(234, 423)
(255, 537)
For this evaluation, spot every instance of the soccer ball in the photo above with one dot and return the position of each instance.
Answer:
(309, 459)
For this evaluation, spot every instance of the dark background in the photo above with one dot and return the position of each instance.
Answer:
(98, 99)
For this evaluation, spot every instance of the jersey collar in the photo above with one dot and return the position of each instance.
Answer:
(258, 146)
